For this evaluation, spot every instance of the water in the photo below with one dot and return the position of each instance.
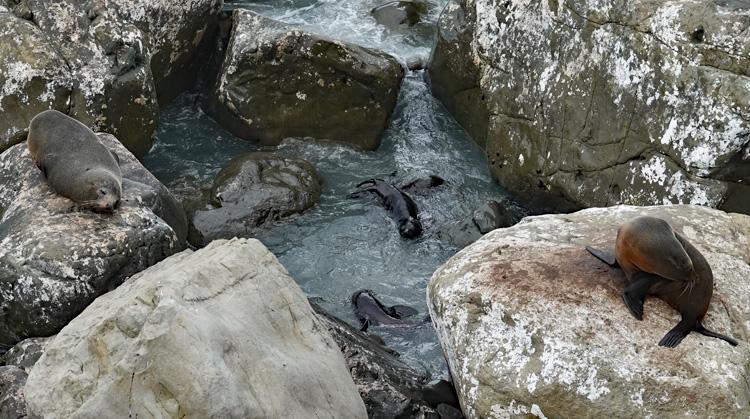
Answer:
(343, 244)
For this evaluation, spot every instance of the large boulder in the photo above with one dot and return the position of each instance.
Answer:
(254, 189)
(55, 260)
(532, 324)
(104, 62)
(593, 103)
(278, 81)
(223, 332)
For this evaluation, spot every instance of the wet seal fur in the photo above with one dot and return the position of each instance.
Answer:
(659, 261)
(371, 312)
(76, 164)
(399, 205)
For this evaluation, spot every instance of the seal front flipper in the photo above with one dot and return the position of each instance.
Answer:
(402, 311)
(635, 293)
(676, 335)
(604, 256)
(705, 332)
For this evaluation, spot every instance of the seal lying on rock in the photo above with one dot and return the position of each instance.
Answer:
(400, 206)
(76, 164)
(659, 261)
(370, 311)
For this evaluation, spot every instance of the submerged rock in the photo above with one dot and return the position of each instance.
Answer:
(532, 324)
(594, 103)
(396, 13)
(254, 189)
(55, 260)
(104, 62)
(223, 332)
(278, 81)
(493, 214)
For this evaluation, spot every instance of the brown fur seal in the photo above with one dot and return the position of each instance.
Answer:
(659, 261)
(76, 164)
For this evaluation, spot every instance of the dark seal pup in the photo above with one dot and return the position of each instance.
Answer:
(659, 261)
(399, 205)
(76, 164)
(371, 312)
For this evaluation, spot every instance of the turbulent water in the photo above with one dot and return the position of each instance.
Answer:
(345, 244)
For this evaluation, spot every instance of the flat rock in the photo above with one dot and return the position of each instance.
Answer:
(55, 260)
(593, 103)
(531, 324)
(223, 332)
(278, 81)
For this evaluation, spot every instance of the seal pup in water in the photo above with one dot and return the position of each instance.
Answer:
(76, 164)
(370, 311)
(659, 261)
(399, 205)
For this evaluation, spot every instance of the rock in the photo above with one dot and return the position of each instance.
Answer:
(389, 387)
(54, 260)
(531, 324)
(591, 103)
(25, 353)
(102, 61)
(33, 78)
(12, 401)
(278, 81)
(254, 189)
(402, 12)
(493, 214)
(223, 332)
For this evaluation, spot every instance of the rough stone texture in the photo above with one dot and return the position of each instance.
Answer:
(223, 332)
(25, 353)
(100, 61)
(531, 324)
(254, 189)
(54, 260)
(493, 214)
(598, 102)
(12, 401)
(278, 81)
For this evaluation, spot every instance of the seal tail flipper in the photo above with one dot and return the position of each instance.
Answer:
(705, 332)
(604, 256)
(676, 335)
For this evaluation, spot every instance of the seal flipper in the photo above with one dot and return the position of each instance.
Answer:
(401, 311)
(634, 293)
(604, 256)
(705, 332)
(677, 334)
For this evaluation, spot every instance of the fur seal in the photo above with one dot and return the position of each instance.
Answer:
(76, 164)
(370, 311)
(659, 261)
(422, 184)
(400, 206)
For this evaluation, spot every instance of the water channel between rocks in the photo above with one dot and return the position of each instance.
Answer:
(342, 244)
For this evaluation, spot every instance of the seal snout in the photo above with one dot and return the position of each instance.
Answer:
(410, 229)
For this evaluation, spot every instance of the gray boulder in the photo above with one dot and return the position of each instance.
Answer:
(12, 401)
(531, 324)
(103, 62)
(590, 103)
(493, 214)
(223, 332)
(278, 81)
(25, 353)
(55, 260)
(254, 189)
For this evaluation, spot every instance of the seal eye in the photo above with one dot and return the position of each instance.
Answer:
(101, 191)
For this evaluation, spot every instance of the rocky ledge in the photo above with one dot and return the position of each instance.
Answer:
(583, 103)
(531, 324)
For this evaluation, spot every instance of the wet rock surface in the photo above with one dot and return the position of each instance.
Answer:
(590, 103)
(493, 214)
(279, 81)
(220, 332)
(254, 189)
(54, 259)
(12, 401)
(532, 324)
(103, 62)
(396, 13)
(25, 353)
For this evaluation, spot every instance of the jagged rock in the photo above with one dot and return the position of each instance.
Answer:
(223, 332)
(12, 401)
(493, 214)
(531, 324)
(54, 260)
(278, 81)
(402, 12)
(102, 61)
(389, 387)
(594, 103)
(25, 353)
(254, 189)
